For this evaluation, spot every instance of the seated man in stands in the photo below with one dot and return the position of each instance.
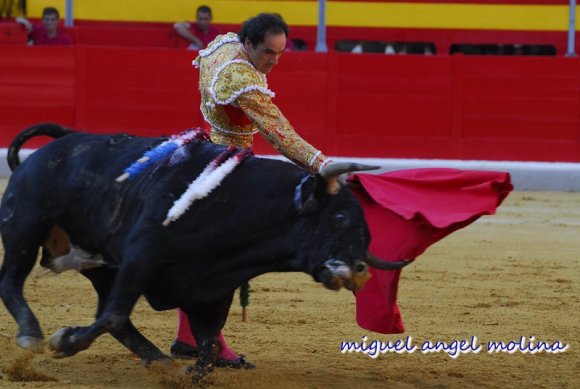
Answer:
(48, 32)
(200, 33)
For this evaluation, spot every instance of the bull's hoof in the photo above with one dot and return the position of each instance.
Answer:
(198, 372)
(238, 363)
(62, 343)
(146, 362)
(36, 345)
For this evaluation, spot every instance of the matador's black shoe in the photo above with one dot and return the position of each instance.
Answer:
(238, 363)
(182, 350)
(185, 351)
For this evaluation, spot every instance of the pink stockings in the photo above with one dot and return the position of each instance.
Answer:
(184, 335)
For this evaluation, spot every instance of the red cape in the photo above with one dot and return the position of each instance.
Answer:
(409, 210)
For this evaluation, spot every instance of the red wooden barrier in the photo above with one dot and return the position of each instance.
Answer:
(12, 33)
(37, 84)
(146, 91)
(369, 105)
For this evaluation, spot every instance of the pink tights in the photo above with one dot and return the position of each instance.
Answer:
(184, 335)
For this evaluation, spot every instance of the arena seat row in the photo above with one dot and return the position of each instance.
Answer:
(142, 34)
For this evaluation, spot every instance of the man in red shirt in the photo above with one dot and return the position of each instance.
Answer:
(48, 33)
(200, 33)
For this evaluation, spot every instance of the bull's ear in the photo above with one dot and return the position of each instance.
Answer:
(306, 195)
(310, 206)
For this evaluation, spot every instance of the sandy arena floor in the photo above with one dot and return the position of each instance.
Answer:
(506, 276)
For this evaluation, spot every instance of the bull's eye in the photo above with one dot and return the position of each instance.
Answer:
(341, 220)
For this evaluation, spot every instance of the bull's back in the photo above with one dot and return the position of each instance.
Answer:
(74, 182)
(74, 174)
(67, 157)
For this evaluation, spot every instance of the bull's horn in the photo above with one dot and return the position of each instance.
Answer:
(331, 172)
(334, 169)
(377, 263)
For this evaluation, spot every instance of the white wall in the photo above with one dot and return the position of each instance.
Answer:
(559, 177)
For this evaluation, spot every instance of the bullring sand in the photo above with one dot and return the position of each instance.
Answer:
(508, 276)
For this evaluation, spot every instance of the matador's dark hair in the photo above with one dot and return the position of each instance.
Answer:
(256, 28)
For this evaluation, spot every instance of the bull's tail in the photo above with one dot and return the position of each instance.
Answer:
(52, 130)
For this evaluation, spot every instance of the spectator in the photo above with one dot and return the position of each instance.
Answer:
(48, 33)
(200, 33)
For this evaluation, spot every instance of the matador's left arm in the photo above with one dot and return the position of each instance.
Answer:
(272, 124)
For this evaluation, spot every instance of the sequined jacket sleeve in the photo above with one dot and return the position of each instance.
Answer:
(266, 116)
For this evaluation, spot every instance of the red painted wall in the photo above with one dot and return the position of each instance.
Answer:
(368, 105)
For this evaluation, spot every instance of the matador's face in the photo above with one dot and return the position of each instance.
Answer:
(266, 54)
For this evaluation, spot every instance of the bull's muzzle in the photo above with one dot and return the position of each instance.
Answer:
(336, 274)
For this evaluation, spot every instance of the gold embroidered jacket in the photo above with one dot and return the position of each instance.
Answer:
(236, 103)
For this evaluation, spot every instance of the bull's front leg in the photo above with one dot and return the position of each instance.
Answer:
(68, 341)
(206, 355)
(102, 280)
(129, 284)
(206, 322)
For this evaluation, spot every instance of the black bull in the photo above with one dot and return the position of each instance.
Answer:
(250, 225)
